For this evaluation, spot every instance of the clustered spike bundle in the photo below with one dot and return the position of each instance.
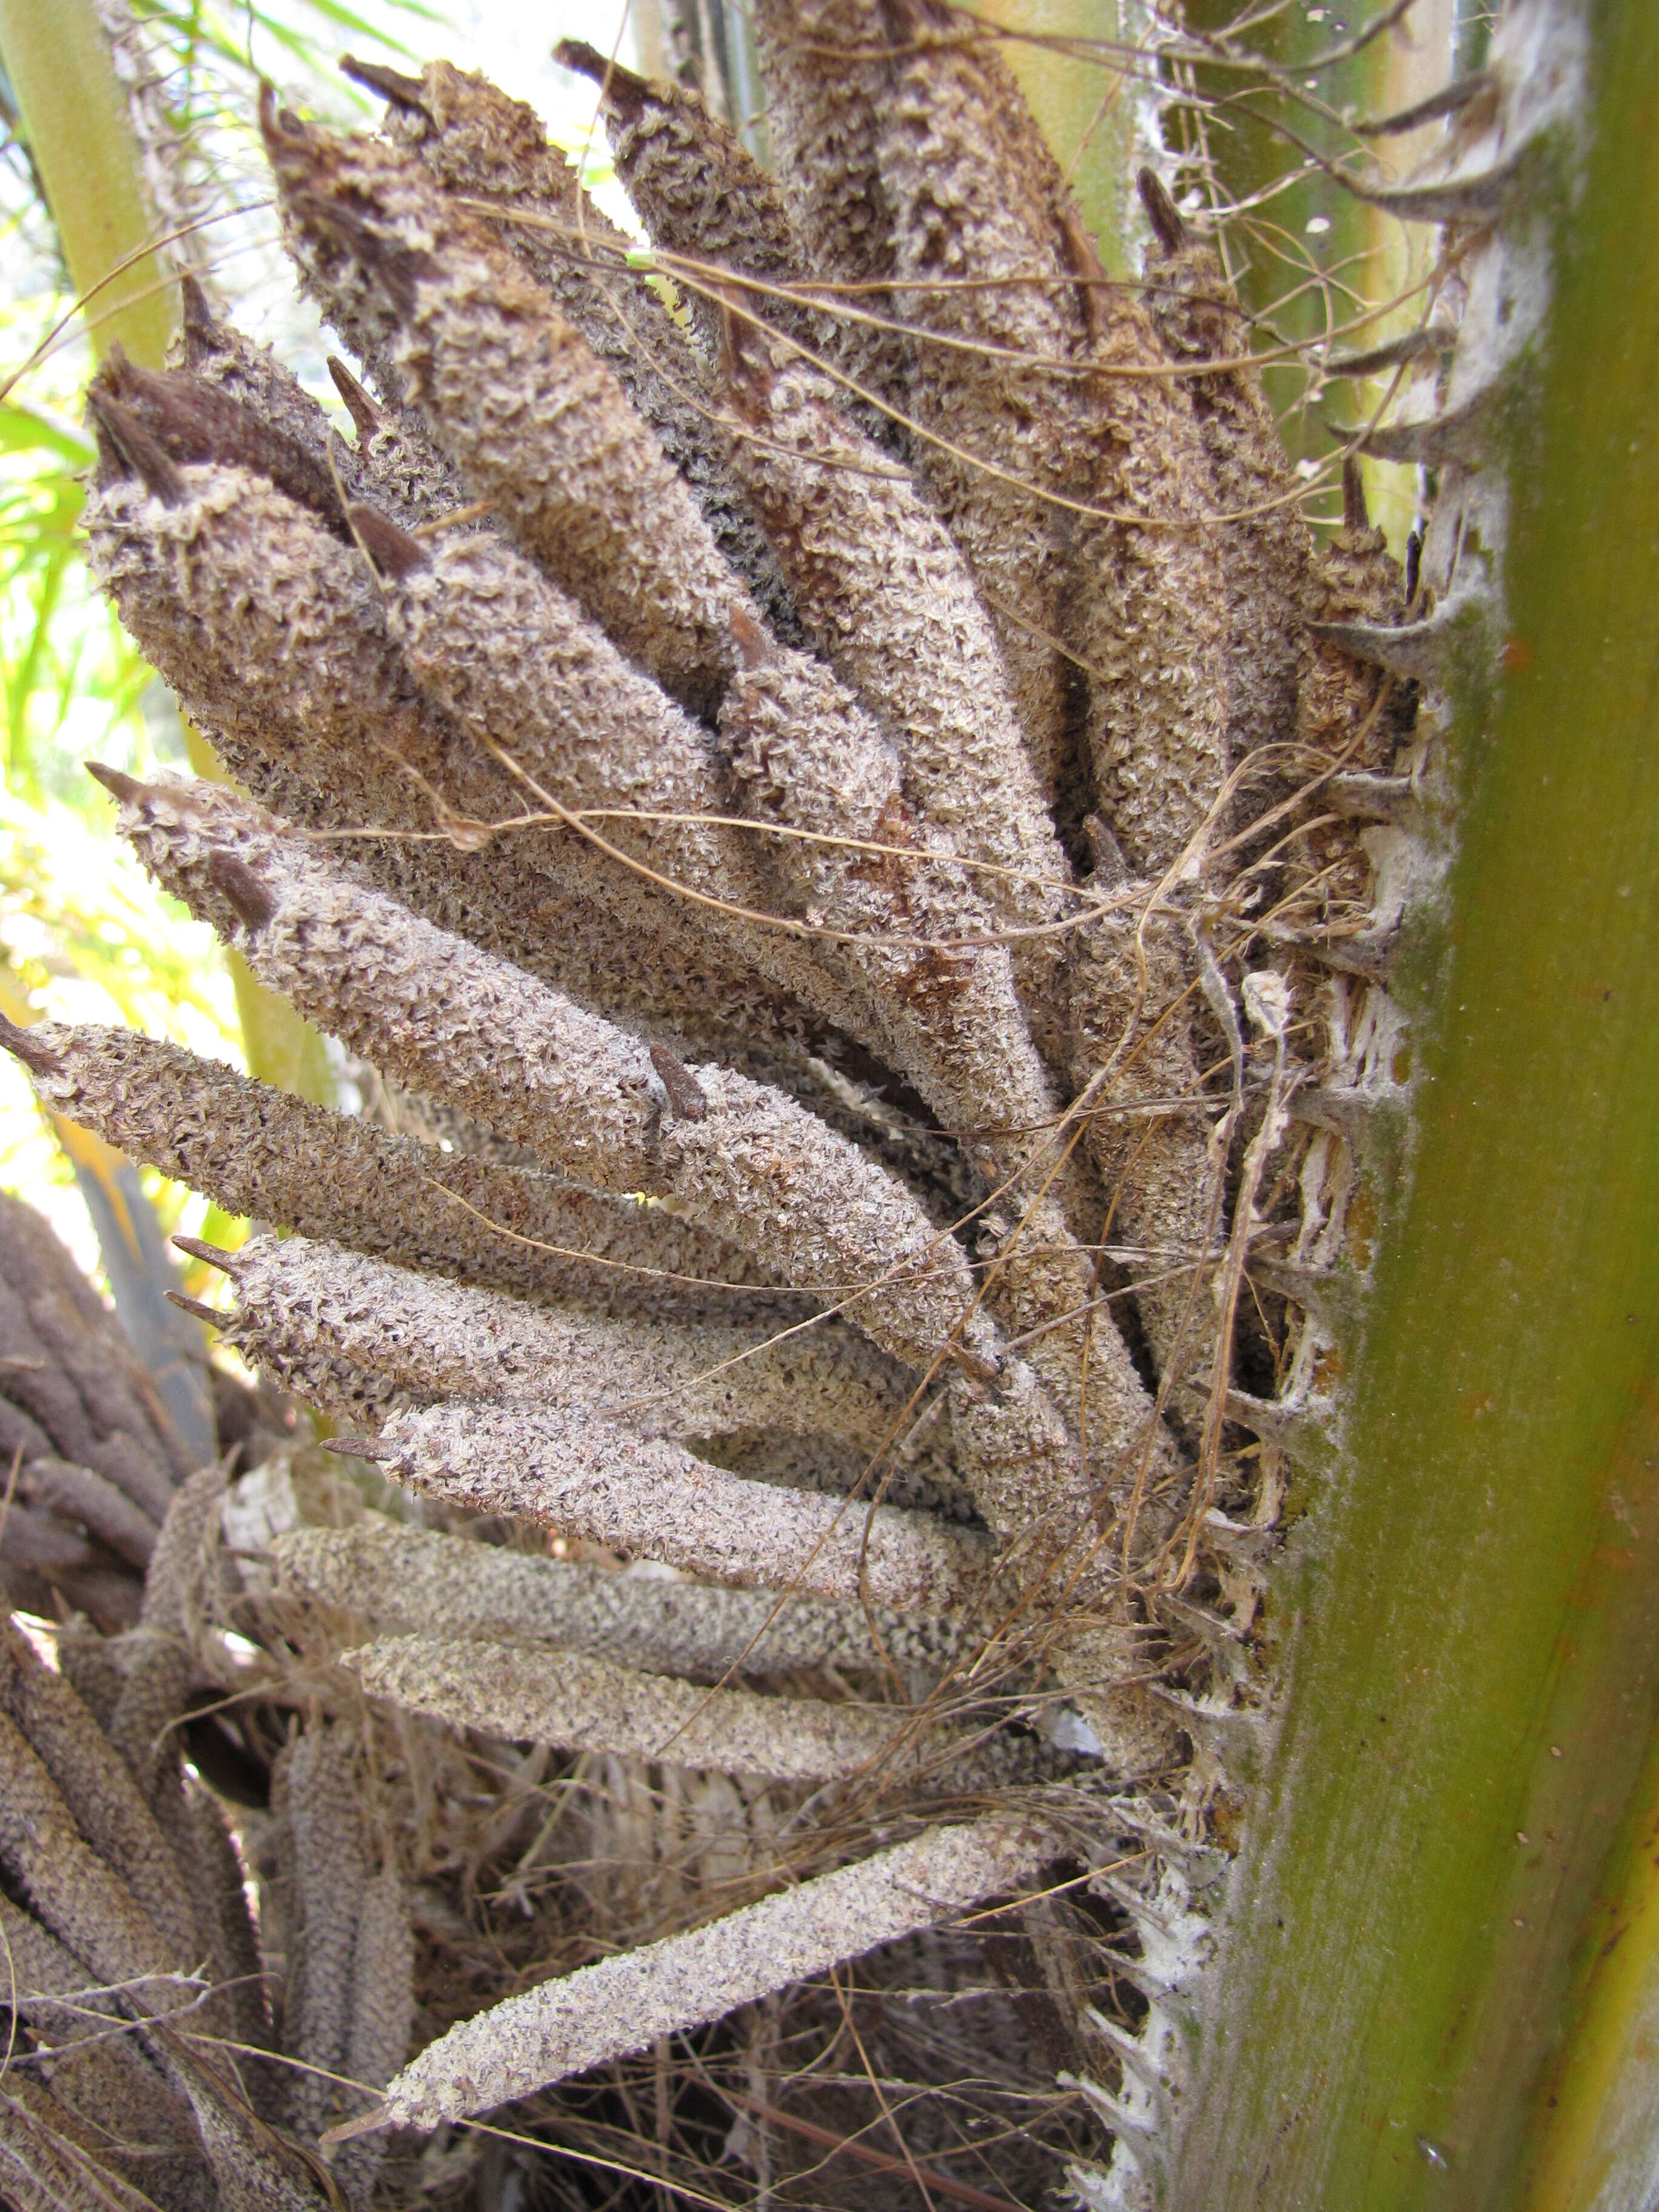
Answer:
(866, 828)
(93, 1460)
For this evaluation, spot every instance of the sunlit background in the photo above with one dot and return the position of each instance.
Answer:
(84, 935)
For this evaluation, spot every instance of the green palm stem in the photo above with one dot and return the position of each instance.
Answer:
(1085, 111)
(75, 117)
(1356, 258)
(1439, 1976)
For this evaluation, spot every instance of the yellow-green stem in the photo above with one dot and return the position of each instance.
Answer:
(1418, 2006)
(74, 120)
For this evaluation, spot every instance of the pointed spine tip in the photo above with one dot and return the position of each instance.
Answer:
(755, 648)
(407, 92)
(209, 1314)
(1161, 211)
(745, 357)
(364, 414)
(38, 1058)
(624, 93)
(212, 1256)
(372, 1448)
(125, 790)
(391, 552)
(366, 2124)
(1449, 100)
(1354, 513)
(202, 333)
(126, 440)
(237, 884)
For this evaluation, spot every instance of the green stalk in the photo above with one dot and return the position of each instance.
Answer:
(75, 119)
(1416, 2001)
(1305, 284)
(1084, 113)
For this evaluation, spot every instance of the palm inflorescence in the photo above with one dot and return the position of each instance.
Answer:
(829, 785)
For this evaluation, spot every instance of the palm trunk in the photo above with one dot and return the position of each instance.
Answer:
(1438, 1959)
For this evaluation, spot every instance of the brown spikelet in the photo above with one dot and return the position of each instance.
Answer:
(422, 1583)
(653, 1498)
(519, 402)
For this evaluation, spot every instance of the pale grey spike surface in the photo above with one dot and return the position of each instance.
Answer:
(805, 752)
(701, 193)
(452, 1021)
(382, 2013)
(480, 144)
(436, 1339)
(274, 634)
(264, 1154)
(975, 195)
(424, 1583)
(823, 113)
(652, 1499)
(520, 403)
(806, 755)
(518, 666)
(625, 2003)
(579, 1702)
(330, 1882)
(889, 600)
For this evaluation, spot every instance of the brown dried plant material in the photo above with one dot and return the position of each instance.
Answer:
(480, 144)
(76, 1493)
(518, 401)
(579, 1702)
(45, 2163)
(624, 2004)
(274, 635)
(100, 1794)
(330, 1887)
(193, 420)
(263, 1153)
(37, 1382)
(518, 666)
(698, 189)
(452, 1022)
(978, 201)
(83, 1902)
(437, 1340)
(424, 1583)
(93, 1351)
(650, 1499)
(98, 2070)
(888, 602)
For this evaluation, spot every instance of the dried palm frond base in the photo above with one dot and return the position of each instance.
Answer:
(853, 834)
